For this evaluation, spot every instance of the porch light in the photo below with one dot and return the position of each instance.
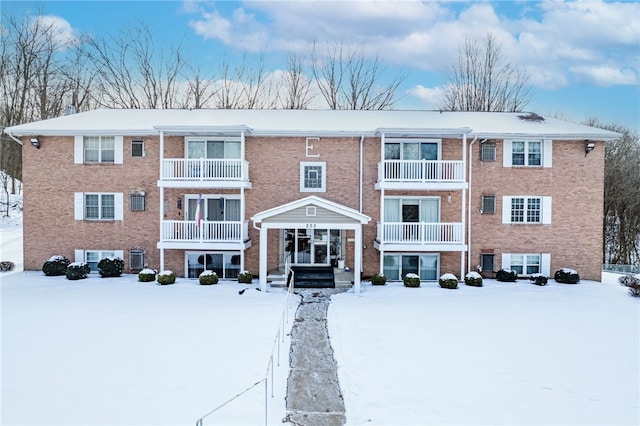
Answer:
(35, 142)
(588, 147)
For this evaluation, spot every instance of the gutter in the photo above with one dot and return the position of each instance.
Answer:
(361, 173)
(13, 137)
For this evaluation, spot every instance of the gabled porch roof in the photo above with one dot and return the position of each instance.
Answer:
(349, 214)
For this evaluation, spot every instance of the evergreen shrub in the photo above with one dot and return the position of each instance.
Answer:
(448, 281)
(110, 267)
(166, 277)
(208, 278)
(507, 275)
(566, 276)
(378, 279)
(473, 279)
(538, 279)
(245, 277)
(147, 275)
(411, 280)
(78, 271)
(56, 265)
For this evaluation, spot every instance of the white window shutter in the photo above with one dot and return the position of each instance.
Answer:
(79, 254)
(118, 149)
(78, 206)
(546, 210)
(506, 209)
(547, 145)
(545, 264)
(78, 149)
(119, 253)
(118, 202)
(506, 261)
(506, 153)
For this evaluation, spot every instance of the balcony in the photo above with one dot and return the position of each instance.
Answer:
(204, 173)
(421, 175)
(210, 235)
(420, 236)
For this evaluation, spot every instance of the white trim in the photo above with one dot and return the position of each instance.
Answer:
(315, 201)
(547, 153)
(506, 261)
(78, 149)
(323, 178)
(545, 264)
(118, 149)
(79, 255)
(506, 153)
(545, 209)
(78, 205)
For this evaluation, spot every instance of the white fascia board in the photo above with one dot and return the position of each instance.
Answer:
(202, 130)
(77, 132)
(424, 132)
(555, 136)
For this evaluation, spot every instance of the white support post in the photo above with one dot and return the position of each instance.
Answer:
(357, 262)
(263, 258)
(161, 209)
(242, 219)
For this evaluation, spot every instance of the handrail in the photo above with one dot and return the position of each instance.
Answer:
(279, 338)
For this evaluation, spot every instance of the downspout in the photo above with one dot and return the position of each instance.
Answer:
(470, 159)
(14, 138)
(161, 207)
(361, 170)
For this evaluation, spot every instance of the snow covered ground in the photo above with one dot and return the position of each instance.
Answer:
(118, 352)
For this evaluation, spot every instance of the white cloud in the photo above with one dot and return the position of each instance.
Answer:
(430, 98)
(60, 30)
(558, 42)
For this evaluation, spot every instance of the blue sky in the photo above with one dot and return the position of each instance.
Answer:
(583, 58)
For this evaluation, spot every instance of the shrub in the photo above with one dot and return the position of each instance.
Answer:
(633, 283)
(56, 265)
(6, 266)
(473, 279)
(78, 270)
(208, 278)
(378, 279)
(110, 267)
(166, 277)
(566, 276)
(507, 275)
(539, 279)
(411, 280)
(448, 281)
(147, 276)
(245, 277)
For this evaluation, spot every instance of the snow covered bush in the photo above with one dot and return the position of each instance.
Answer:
(245, 277)
(378, 279)
(208, 278)
(147, 275)
(473, 279)
(411, 280)
(110, 267)
(633, 283)
(448, 281)
(6, 266)
(538, 279)
(566, 276)
(507, 275)
(56, 265)
(166, 277)
(78, 270)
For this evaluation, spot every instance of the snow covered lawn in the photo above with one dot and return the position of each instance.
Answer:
(115, 351)
(502, 354)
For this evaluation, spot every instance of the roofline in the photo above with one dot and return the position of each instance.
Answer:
(554, 136)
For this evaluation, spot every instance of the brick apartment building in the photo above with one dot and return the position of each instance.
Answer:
(426, 192)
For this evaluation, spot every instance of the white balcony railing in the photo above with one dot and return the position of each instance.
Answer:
(421, 171)
(189, 231)
(204, 169)
(420, 233)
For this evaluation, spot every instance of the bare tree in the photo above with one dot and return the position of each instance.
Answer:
(483, 80)
(245, 86)
(296, 86)
(201, 89)
(621, 197)
(133, 72)
(348, 79)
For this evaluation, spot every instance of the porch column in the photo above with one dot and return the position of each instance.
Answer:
(263, 258)
(357, 261)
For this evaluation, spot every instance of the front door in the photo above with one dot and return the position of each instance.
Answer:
(309, 246)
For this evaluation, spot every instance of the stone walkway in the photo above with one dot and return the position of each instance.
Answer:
(313, 392)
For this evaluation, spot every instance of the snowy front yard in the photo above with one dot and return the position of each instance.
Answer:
(502, 354)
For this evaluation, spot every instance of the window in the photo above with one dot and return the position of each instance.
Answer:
(137, 148)
(213, 148)
(486, 261)
(526, 210)
(488, 151)
(412, 149)
(225, 264)
(313, 177)
(488, 204)
(525, 264)
(136, 202)
(534, 153)
(136, 259)
(426, 266)
(98, 206)
(98, 149)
